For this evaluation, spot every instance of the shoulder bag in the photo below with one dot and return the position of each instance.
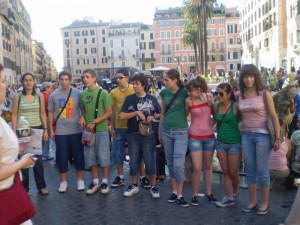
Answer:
(15, 204)
(269, 121)
(89, 138)
(54, 124)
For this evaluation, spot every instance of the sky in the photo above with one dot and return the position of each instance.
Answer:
(47, 17)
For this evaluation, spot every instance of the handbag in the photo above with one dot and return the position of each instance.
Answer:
(54, 124)
(89, 137)
(269, 122)
(15, 204)
(145, 128)
(6, 115)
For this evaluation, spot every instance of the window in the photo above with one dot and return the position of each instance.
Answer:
(168, 34)
(111, 43)
(76, 33)
(221, 21)
(93, 50)
(85, 41)
(77, 41)
(92, 32)
(85, 51)
(177, 33)
(168, 24)
(103, 39)
(66, 34)
(213, 58)
(231, 66)
(94, 60)
(77, 51)
(84, 33)
(221, 31)
(151, 45)
(142, 36)
(162, 34)
(136, 42)
(93, 40)
(151, 36)
(177, 46)
(230, 29)
(222, 57)
(231, 40)
(122, 42)
(104, 51)
(68, 53)
(78, 61)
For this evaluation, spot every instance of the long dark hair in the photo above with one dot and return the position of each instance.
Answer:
(250, 70)
(22, 80)
(228, 89)
(174, 74)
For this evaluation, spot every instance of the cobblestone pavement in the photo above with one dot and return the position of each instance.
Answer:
(74, 208)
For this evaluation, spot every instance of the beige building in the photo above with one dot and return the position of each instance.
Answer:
(264, 32)
(147, 47)
(85, 45)
(16, 39)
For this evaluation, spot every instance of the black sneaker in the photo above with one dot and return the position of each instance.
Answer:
(195, 201)
(154, 192)
(104, 189)
(145, 182)
(182, 202)
(211, 198)
(172, 198)
(117, 182)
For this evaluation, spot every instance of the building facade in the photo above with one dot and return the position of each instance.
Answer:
(147, 47)
(264, 33)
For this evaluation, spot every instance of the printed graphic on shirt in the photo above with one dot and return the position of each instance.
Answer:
(146, 106)
(68, 112)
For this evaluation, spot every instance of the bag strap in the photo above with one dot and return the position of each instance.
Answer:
(64, 105)
(218, 125)
(97, 103)
(173, 99)
(265, 102)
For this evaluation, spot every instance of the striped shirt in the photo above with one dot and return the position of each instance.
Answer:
(295, 139)
(30, 110)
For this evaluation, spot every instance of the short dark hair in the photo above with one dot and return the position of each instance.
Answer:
(65, 73)
(142, 79)
(90, 71)
(123, 71)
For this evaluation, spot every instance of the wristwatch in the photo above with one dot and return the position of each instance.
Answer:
(94, 122)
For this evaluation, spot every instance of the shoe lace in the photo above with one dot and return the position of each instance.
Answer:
(92, 185)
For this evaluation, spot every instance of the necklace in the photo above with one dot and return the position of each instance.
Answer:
(125, 90)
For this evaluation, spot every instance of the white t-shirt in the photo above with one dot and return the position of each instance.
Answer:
(10, 150)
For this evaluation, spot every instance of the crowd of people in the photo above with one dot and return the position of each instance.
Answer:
(176, 117)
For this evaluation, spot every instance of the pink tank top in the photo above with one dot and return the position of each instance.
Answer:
(278, 160)
(200, 127)
(253, 113)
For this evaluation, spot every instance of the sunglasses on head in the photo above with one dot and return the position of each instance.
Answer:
(120, 77)
(219, 93)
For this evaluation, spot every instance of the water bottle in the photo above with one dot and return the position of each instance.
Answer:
(23, 129)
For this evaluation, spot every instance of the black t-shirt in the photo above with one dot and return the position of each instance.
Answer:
(148, 105)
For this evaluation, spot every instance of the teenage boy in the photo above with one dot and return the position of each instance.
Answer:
(140, 107)
(119, 129)
(67, 134)
(98, 155)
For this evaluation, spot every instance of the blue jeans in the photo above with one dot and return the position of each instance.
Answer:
(118, 146)
(175, 141)
(141, 147)
(256, 149)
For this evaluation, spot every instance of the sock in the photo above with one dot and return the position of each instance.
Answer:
(135, 185)
(96, 181)
(174, 192)
(121, 176)
(179, 196)
(141, 177)
(104, 180)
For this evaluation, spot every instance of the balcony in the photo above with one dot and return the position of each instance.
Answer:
(147, 60)
(163, 52)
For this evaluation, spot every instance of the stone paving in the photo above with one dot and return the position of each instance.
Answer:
(76, 208)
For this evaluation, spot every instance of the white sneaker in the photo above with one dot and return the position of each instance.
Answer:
(154, 192)
(80, 185)
(93, 187)
(104, 190)
(131, 190)
(63, 187)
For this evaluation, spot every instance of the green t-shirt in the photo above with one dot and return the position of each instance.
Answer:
(88, 103)
(176, 115)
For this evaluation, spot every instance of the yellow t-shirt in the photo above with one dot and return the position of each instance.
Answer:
(117, 97)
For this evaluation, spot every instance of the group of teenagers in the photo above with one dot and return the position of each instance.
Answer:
(231, 126)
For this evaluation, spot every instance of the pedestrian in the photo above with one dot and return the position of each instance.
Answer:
(119, 129)
(48, 89)
(174, 132)
(256, 140)
(201, 143)
(10, 166)
(64, 113)
(31, 104)
(228, 144)
(140, 109)
(99, 154)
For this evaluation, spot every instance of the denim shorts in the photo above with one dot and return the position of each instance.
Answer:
(66, 146)
(100, 154)
(197, 145)
(234, 149)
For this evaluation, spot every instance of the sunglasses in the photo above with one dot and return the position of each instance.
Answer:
(219, 93)
(120, 77)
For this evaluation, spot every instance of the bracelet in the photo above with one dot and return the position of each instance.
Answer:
(278, 138)
(45, 128)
